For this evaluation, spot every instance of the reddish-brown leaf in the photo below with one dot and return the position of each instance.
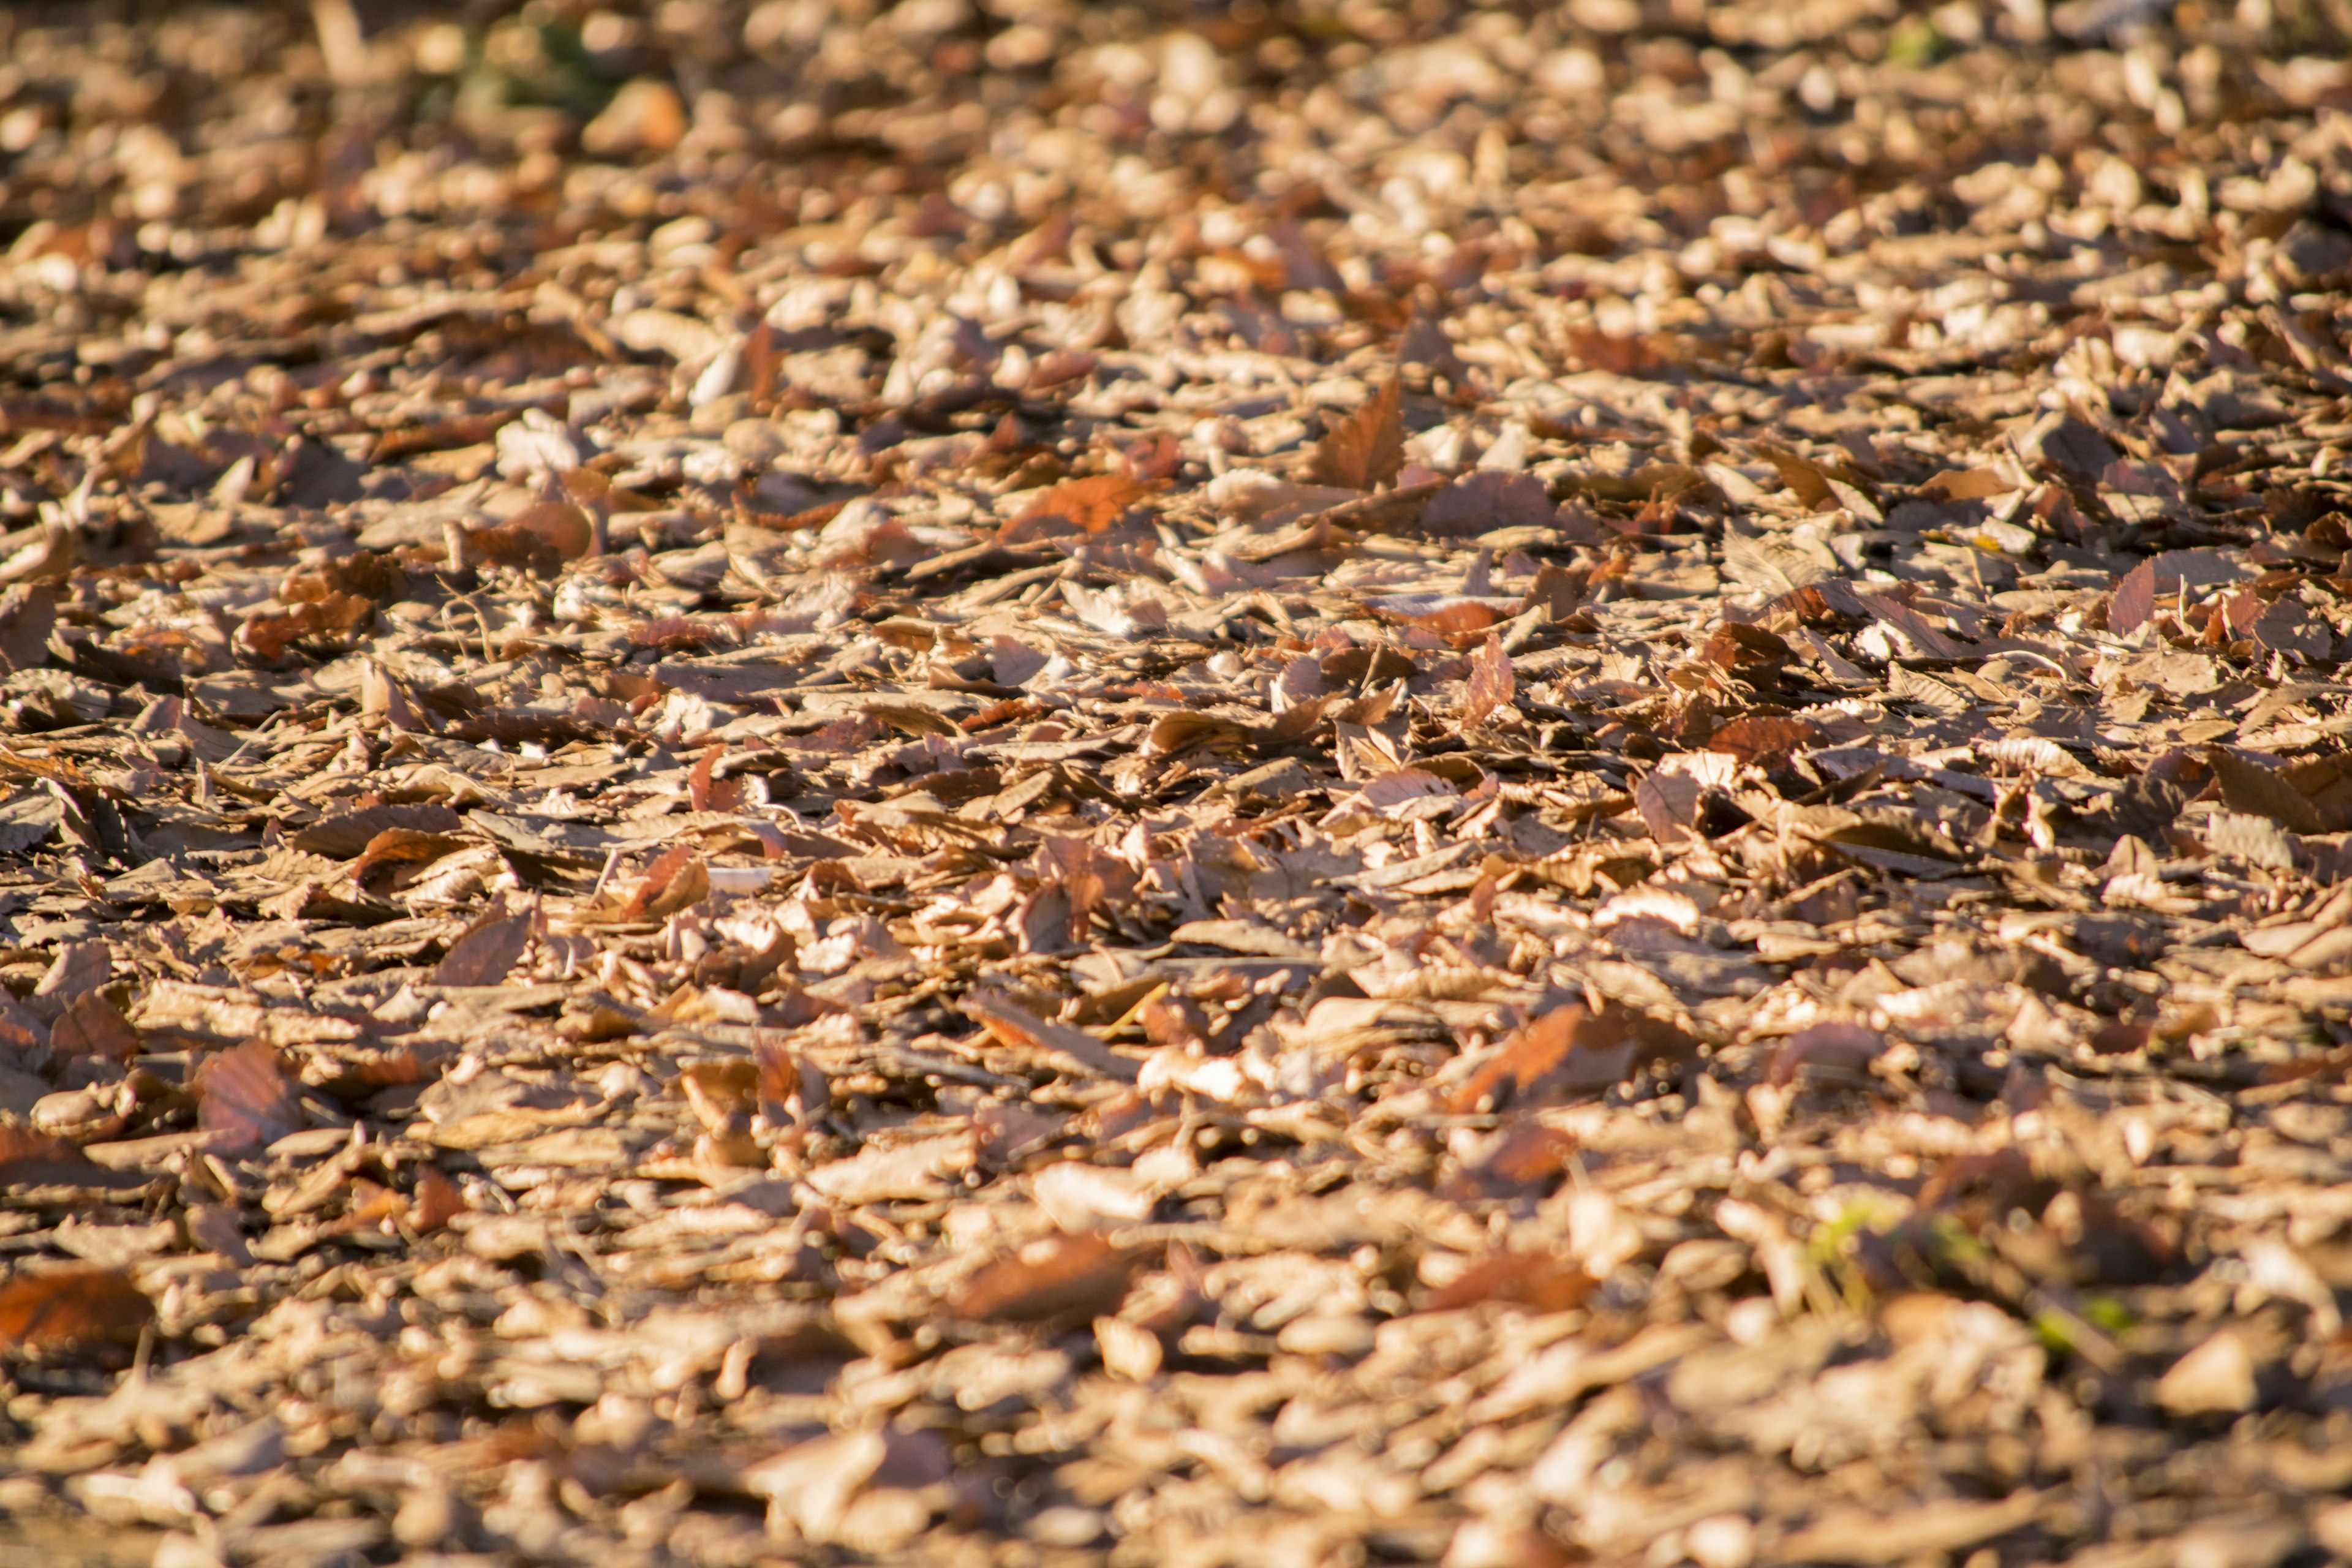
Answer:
(675, 882)
(1764, 741)
(245, 1100)
(73, 1309)
(711, 794)
(1075, 1277)
(30, 1159)
(404, 847)
(1533, 1280)
(1367, 447)
(1834, 1052)
(347, 833)
(1570, 1051)
(1526, 1160)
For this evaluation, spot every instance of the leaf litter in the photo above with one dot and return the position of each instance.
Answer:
(1027, 783)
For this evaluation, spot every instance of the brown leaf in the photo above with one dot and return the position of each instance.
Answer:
(1810, 485)
(503, 544)
(1366, 449)
(1491, 684)
(345, 834)
(71, 1309)
(1839, 1053)
(1766, 741)
(32, 1158)
(267, 636)
(1072, 1277)
(2308, 798)
(28, 613)
(245, 1100)
(1173, 733)
(94, 1027)
(565, 528)
(1056, 1045)
(1481, 502)
(2158, 581)
(1091, 878)
(486, 952)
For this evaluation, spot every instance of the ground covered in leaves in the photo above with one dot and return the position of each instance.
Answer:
(1282, 784)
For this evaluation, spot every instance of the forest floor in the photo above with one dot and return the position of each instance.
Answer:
(1273, 784)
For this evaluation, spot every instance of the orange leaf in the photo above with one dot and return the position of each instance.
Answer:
(1536, 1280)
(1083, 506)
(436, 1202)
(71, 1309)
(711, 794)
(1367, 447)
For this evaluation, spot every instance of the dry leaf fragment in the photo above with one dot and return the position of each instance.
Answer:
(1366, 449)
(71, 1310)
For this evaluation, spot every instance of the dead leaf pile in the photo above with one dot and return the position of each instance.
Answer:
(1298, 784)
